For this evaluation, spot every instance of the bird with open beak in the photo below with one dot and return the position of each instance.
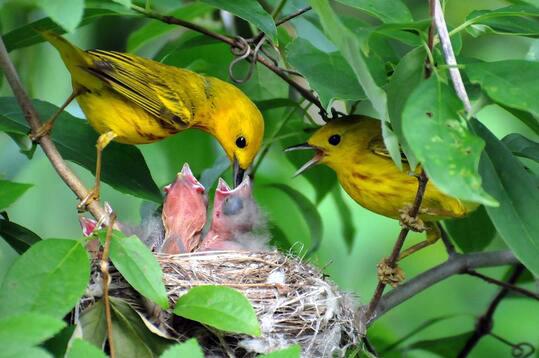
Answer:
(184, 213)
(237, 221)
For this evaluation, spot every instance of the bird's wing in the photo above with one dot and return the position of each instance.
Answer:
(128, 76)
(377, 146)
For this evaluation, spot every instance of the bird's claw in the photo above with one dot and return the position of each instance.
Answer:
(389, 275)
(42, 131)
(409, 222)
(92, 196)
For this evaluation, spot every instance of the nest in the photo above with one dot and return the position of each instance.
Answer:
(294, 302)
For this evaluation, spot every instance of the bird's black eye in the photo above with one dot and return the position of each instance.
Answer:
(334, 139)
(241, 142)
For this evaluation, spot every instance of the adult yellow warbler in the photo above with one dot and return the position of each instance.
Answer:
(134, 100)
(354, 149)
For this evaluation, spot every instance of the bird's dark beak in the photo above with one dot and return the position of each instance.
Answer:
(238, 173)
(311, 163)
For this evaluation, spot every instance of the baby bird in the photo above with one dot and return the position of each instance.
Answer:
(184, 214)
(237, 221)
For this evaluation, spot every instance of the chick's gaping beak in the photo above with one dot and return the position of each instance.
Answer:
(237, 173)
(311, 163)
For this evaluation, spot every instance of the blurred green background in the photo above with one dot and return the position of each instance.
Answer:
(49, 207)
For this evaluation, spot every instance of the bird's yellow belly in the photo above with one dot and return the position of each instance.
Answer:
(107, 111)
(387, 195)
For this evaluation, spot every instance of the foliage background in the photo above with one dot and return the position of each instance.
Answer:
(48, 208)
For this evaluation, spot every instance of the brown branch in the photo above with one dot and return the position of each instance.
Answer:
(485, 322)
(104, 266)
(392, 260)
(240, 45)
(455, 264)
(503, 284)
(32, 117)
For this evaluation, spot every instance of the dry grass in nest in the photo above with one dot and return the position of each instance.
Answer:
(294, 303)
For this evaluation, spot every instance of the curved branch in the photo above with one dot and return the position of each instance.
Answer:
(72, 181)
(456, 264)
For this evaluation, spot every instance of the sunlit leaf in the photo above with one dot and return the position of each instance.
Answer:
(329, 88)
(220, 307)
(308, 211)
(442, 143)
(48, 278)
(17, 236)
(386, 10)
(123, 165)
(189, 348)
(512, 83)
(472, 233)
(138, 266)
(67, 14)
(293, 351)
(522, 146)
(250, 11)
(26, 330)
(10, 192)
(80, 348)
(507, 180)
(131, 336)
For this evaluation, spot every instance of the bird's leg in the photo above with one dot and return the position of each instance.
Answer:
(46, 127)
(433, 235)
(389, 275)
(103, 140)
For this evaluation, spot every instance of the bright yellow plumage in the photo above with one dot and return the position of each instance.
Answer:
(142, 101)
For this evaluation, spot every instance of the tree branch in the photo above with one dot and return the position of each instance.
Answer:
(456, 264)
(510, 287)
(72, 181)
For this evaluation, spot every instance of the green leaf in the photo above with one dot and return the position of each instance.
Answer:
(522, 146)
(388, 11)
(124, 167)
(525, 117)
(189, 348)
(516, 217)
(58, 344)
(498, 79)
(444, 347)
(93, 324)
(18, 237)
(308, 210)
(27, 35)
(346, 219)
(312, 63)
(350, 47)
(131, 336)
(293, 351)
(80, 348)
(250, 11)
(48, 278)
(10, 192)
(138, 266)
(279, 238)
(26, 330)
(442, 143)
(66, 13)
(220, 307)
(154, 29)
(513, 20)
(126, 3)
(472, 233)
(33, 352)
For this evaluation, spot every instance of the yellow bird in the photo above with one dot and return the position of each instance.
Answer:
(354, 149)
(134, 100)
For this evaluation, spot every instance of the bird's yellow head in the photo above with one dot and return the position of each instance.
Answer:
(239, 128)
(338, 141)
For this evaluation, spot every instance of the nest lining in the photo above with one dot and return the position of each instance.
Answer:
(293, 301)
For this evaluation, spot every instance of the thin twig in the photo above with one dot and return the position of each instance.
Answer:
(106, 282)
(32, 117)
(449, 56)
(454, 265)
(293, 15)
(392, 260)
(449, 247)
(485, 322)
(429, 64)
(510, 287)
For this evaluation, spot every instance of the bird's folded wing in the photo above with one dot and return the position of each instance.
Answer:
(377, 146)
(129, 77)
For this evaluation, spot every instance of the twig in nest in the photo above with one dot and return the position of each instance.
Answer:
(104, 266)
